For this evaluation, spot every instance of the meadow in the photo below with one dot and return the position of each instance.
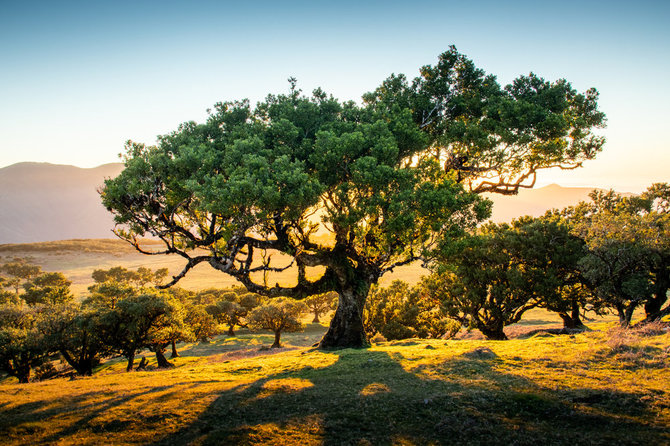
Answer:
(602, 386)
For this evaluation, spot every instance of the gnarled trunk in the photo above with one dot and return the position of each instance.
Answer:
(652, 307)
(175, 353)
(346, 327)
(231, 331)
(23, 374)
(572, 320)
(493, 333)
(161, 360)
(625, 313)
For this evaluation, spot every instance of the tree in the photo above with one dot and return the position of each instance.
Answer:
(130, 326)
(74, 332)
(21, 270)
(279, 315)
(547, 252)
(48, 289)
(139, 278)
(400, 312)
(227, 312)
(201, 323)
(628, 259)
(482, 283)
(22, 345)
(321, 303)
(106, 294)
(7, 297)
(387, 180)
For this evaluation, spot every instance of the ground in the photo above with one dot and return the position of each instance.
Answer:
(599, 387)
(604, 386)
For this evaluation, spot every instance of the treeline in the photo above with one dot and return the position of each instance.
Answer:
(611, 254)
(123, 314)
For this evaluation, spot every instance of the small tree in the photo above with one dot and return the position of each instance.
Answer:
(400, 312)
(76, 334)
(549, 255)
(130, 326)
(107, 294)
(48, 289)
(483, 285)
(21, 270)
(279, 315)
(201, 323)
(229, 313)
(22, 344)
(321, 303)
(628, 240)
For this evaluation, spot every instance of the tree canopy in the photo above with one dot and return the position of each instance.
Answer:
(358, 190)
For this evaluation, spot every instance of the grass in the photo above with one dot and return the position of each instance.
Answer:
(597, 387)
(604, 386)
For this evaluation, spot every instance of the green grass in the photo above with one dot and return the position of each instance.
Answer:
(599, 387)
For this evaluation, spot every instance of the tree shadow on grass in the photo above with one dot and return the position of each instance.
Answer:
(368, 397)
(78, 413)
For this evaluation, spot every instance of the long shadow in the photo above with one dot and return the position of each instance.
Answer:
(89, 404)
(379, 398)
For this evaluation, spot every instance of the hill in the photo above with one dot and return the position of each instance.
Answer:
(535, 202)
(42, 202)
(45, 202)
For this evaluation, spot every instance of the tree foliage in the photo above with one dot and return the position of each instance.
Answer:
(22, 344)
(48, 289)
(320, 304)
(628, 239)
(20, 270)
(400, 312)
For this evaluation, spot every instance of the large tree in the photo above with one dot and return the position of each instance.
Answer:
(252, 192)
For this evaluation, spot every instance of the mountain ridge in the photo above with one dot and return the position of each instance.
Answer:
(42, 202)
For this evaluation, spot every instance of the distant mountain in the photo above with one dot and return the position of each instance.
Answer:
(535, 202)
(44, 202)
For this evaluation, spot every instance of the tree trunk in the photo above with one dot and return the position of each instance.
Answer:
(346, 327)
(493, 333)
(573, 320)
(652, 307)
(276, 343)
(23, 374)
(175, 353)
(576, 316)
(231, 332)
(162, 361)
(316, 318)
(131, 359)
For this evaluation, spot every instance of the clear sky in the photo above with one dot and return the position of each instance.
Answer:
(77, 79)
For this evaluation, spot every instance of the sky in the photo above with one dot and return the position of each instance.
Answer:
(78, 79)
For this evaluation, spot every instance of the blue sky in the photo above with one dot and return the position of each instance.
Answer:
(77, 79)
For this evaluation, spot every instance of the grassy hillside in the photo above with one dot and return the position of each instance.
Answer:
(599, 387)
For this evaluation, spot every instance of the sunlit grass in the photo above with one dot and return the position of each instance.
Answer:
(591, 388)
